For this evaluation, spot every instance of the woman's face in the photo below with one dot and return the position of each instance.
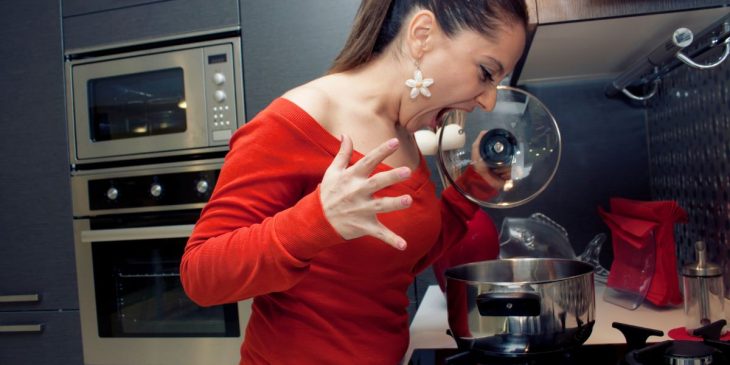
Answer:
(466, 70)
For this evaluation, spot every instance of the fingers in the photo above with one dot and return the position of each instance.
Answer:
(367, 164)
(387, 178)
(475, 155)
(342, 159)
(504, 172)
(389, 204)
(347, 193)
(389, 237)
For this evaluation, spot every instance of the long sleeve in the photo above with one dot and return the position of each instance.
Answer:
(263, 223)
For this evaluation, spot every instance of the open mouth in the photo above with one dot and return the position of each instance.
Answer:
(440, 118)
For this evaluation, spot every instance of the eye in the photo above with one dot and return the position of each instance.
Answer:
(486, 74)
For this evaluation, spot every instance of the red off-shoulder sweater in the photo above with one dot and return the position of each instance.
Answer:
(318, 299)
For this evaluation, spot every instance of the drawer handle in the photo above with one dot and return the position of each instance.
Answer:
(22, 328)
(20, 298)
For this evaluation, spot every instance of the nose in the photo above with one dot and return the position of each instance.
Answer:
(488, 99)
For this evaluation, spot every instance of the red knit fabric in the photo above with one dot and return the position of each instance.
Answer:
(318, 299)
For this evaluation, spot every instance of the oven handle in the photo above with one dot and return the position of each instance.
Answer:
(136, 234)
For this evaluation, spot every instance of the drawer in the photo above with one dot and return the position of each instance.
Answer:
(40, 338)
(78, 7)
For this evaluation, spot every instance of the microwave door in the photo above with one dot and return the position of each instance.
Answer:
(142, 104)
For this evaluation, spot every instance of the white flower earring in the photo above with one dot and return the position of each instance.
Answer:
(418, 84)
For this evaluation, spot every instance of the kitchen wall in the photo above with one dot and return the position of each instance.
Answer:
(689, 143)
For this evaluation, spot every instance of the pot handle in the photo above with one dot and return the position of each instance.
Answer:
(507, 304)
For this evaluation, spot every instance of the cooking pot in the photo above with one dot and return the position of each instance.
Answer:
(521, 306)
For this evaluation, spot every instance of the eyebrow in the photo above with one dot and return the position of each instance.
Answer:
(500, 67)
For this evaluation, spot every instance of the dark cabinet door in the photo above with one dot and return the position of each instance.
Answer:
(108, 23)
(36, 236)
(289, 42)
(555, 11)
(40, 338)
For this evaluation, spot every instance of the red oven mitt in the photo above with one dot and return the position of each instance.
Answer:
(664, 289)
(480, 243)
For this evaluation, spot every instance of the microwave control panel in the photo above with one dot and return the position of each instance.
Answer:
(220, 93)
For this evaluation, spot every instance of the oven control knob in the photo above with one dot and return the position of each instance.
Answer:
(112, 193)
(156, 190)
(220, 96)
(202, 186)
(219, 78)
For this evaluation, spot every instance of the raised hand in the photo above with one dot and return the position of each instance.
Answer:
(347, 193)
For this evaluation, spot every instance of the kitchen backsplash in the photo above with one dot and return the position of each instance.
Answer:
(689, 152)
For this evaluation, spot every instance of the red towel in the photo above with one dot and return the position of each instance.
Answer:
(664, 289)
(634, 254)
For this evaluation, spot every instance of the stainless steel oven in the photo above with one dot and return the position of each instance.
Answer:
(163, 101)
(131, 226)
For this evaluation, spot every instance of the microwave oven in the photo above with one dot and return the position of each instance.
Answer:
(185, 99)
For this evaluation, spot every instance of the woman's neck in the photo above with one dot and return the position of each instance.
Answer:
(378, 86)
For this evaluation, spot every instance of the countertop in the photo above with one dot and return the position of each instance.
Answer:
(428, 329)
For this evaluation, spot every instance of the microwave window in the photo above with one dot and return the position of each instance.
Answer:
(137, 105)
(139, 294)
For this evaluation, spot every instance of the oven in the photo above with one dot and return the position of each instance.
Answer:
(160, 101)
(131, 225)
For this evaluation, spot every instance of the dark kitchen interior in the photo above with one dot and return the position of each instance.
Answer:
(674, 146)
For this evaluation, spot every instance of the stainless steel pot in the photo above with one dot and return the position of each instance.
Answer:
(521, 306)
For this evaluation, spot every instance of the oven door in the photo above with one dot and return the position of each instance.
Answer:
(133, 307)
(163, 103)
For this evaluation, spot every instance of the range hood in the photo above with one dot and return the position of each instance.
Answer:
(603, 48)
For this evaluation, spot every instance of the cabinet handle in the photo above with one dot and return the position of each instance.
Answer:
(20, 298)
(22, 328)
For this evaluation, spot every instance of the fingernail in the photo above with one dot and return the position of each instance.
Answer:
(404, 172)
(405, 201)
(393, 143)
(401, 244)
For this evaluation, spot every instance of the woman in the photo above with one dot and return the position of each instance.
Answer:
(323, 212)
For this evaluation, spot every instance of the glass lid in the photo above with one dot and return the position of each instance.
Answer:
(503, 158)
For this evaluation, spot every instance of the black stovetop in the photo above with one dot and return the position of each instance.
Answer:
(635, 351)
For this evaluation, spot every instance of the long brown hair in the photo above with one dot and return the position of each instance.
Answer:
(378, 22)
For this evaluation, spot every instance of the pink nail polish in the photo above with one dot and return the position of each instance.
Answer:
(406, 201)
(401, 245)
(393, 143)
(404, 172)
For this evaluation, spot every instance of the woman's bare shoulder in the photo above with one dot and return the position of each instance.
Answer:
(314, 99)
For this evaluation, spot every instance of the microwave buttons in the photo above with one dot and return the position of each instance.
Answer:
(156, 190)
(219, 78)
(112, 193)
(220, 96)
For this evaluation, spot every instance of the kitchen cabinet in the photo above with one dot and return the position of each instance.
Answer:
(588, 39)
(554, 11)
(42, 338)
(289, 42)
(37, 272)
(111, 23)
